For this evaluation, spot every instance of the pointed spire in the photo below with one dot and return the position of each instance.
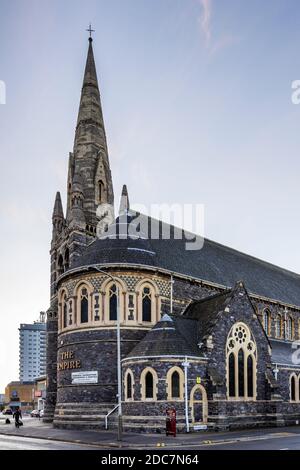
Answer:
(58, 212)
(124, 204)
(90, 124)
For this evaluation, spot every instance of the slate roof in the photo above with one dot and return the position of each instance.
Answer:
(214, 262)
(207, 312)
(165, 339)
(282, 352)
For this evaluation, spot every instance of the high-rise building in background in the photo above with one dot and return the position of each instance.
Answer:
(32, 354)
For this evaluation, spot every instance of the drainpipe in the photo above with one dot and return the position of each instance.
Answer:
(186, 365)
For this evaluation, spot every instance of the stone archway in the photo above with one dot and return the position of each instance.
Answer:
(198, 404)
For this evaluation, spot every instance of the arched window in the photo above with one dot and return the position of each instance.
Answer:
(175, 384)
(60, 265)
(267, 322)
(289, 328)
(67, 259)
(129, 381)
(250, 376)
(65, 311)
(149, 385)
(113, 303)
(84, 305)
(101, 191)
(129, 386)
(231, 374)
(278, 326)
(241, 363)
(293, 388)
(149, 382)
(147, 305)
(241, 367)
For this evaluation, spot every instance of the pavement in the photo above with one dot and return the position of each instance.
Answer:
(37, 431)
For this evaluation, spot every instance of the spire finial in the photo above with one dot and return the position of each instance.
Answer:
(90, 30)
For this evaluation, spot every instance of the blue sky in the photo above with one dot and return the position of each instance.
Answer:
(197, 103)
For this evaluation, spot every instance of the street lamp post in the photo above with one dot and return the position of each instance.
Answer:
(186, 365)
(119, 371)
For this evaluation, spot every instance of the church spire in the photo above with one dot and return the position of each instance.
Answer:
(58, 220)
(58, 212)
(90, 155)
(124, 203)
(90, 124)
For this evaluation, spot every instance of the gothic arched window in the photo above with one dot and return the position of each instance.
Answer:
(149, 381)
(241, 367)
(175, 384)
(65, 312)
(290, 328)
(84, 305)
(149, 385)
(113, 303)
(129, 385)
(241, 363)
(67, 259)
(147, 304)
(231, 374)
(278, 326)
(267, 322)
(101, 191)
(293, 388)
(60, 265)
(250, 376)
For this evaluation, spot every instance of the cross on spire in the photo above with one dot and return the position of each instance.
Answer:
(90, 30)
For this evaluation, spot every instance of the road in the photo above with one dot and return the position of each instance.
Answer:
(276, 441)
(25, 443)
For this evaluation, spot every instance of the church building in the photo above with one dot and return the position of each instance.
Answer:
(211, 332)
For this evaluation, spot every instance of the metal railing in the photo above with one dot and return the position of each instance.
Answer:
(108, 415)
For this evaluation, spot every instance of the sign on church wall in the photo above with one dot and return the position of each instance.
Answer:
(88, 377)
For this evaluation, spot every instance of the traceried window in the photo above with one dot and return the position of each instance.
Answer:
(84, 305)
(267, 321)
(241, 356)
(278, 326)
(113, 302)
(147, 304)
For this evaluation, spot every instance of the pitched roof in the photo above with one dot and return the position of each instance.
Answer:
(282, 353)
(214, 263)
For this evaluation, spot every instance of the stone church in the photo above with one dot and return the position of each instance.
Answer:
(211, 332)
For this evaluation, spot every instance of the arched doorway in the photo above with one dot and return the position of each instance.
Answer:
(198, 405)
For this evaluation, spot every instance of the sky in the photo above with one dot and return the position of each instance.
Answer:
(196, 97)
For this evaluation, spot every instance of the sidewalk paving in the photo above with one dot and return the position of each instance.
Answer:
(33, 428)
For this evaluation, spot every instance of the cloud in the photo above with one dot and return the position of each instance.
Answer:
(213, 44)
(205, 19)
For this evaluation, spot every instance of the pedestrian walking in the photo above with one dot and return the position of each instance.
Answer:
(18, 416)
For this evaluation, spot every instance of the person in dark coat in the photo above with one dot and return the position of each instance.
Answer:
(17, 415)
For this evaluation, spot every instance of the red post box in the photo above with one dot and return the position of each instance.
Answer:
(171, 421)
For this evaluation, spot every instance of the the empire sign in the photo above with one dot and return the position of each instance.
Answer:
(68, 361)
